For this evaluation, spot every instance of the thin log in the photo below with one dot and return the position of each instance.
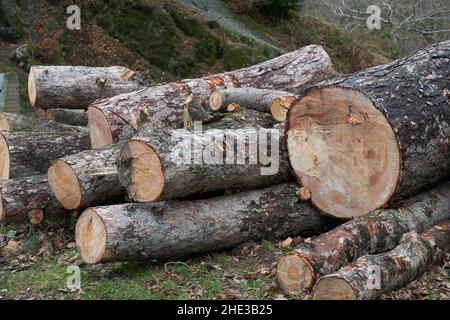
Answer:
(370, 276)
(114, 119)
(366, 140)
(176, 229)
(374, 233)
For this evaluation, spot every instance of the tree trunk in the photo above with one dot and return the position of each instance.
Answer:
(74, 117)
(376, 232)
(75, 87)
(27, 153)
(18, 122)
(274, 102)
(175, 229)
(370, 276)
(85, 179)
(113, 119)
(241, 118)
(22, 196)
(365, 140)
(161, 163)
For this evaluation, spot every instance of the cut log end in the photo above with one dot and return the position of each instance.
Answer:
(340, 131)
(215, 100)
(91, 236)
(294, 274)
(145, 178)
(5, 161)
(333, 288)
(32, 87)
(64, 184)
(100, 131)
(280, 107)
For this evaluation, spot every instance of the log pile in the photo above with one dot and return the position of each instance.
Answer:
(168, 171)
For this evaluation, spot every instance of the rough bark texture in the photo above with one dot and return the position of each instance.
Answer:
(74, 117)
(241, 118)
(413, 95)
(370, 276)
(18, 122)
(376, 232)
(172, 230)
(31, 152)
(290, 72)
(23, 195)
(75, 87)
(180, 161)
(91, 178)
(257, 99)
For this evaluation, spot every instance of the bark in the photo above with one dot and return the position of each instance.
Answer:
(18, 122)
(172, 230)
(240, 119)
(263, 100)
(26, 153)
(75, 87)
(88, 178)
(111, 119)
(20, 197)
(74, 117)
(372, 275)
(374, 233)
(402, 148)
(158, 163)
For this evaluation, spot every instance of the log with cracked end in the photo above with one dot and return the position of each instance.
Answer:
(264, 100)
(27, 153)
(18, 122)
(75, 87)
(110, 120)
(376, 232)
(159, 162)
(27, 196)
(368, 139)
(373, 275)
(176, 229)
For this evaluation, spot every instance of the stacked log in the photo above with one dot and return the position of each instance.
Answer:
(113, 119)
(158, 163)
(18, 122)
(371, 276)
(75, 87)
(363, 141)
(376, 232)
(176, 229)
(73, 117)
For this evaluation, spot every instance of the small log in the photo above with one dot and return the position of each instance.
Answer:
(88, 178)
(75, 87)
(74, 117)
(366, 140)
(176, 229)
(264, 100)
(372, 275)
(113, 119)
(159, 163)
(29, 196)
(376, 232)
(27, 153)
(241, 118)
(18, 122)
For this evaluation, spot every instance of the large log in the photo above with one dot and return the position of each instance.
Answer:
(18, 122)
(74, 117)
(175, 229)
(20, 197)
(376, 232)
(111, 119)
(365, 140)
(85, 179)
(370, 276)
(27, 153)
(75, 87)
(161, 163)
(274, 102)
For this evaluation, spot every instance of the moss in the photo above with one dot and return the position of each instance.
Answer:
(236, 57)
